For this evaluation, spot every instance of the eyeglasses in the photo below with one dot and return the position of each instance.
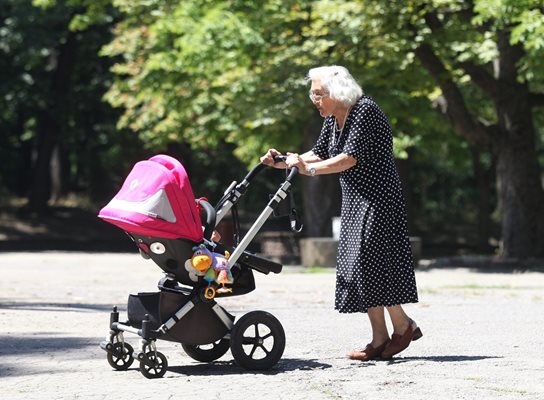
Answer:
(317, 97)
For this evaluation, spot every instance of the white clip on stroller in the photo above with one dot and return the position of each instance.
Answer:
(157, 209)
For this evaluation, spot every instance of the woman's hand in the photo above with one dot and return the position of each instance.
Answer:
(268, 159)
(295, 160)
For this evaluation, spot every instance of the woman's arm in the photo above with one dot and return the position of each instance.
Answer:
(333, 165)
(309, 157)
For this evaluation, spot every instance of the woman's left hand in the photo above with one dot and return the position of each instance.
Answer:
(295, 160)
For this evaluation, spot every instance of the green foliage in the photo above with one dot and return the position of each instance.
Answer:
(32, 37)
(234, 70)
(229, 77)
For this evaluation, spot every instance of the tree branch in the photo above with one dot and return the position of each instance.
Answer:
(481, 77)
(453, 104)
(509, 56)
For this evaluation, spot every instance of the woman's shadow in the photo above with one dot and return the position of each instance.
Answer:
(440, 359)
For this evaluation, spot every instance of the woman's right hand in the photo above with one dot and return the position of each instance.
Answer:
(268, 159)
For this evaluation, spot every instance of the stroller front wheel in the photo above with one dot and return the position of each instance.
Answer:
(257, 341)
(121, 356)
(154, 365)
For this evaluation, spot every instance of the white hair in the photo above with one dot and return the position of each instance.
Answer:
(338, 82)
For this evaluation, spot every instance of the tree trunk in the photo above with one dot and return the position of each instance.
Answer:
(520, 190)
(59, 177)
(41, 178)
(320, 194)
(404, 167)
(512, 140)
(483, 220)
(49, 123)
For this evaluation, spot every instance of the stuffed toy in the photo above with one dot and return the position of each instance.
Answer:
(202, 258)
(219, 273)
(199, 263)
(213, 267)
(221, 266)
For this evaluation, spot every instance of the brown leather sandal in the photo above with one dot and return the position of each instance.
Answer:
(400, 342)
(368, 353)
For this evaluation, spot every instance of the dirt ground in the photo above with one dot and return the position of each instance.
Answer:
(482, 336)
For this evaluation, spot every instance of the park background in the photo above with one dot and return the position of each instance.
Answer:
(89, 87)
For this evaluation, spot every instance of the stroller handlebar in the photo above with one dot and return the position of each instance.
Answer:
(293, 172)
(259, 167)
(237, 190)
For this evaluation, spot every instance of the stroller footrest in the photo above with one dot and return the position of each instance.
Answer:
(260, 264)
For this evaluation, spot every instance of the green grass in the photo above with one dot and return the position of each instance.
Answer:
(479, 287)
(318, 270)
(505, 389)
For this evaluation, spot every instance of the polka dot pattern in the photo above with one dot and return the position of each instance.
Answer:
(374, 266)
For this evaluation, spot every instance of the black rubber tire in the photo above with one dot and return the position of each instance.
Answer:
(205, 353)
(246, 335)
(121, 363)
(157, 371)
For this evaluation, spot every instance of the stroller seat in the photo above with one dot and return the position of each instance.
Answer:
(171, 255)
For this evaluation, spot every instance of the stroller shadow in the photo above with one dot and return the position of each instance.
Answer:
(230, 368)
(56, 307)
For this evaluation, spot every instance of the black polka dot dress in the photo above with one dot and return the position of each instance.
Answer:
(374, 265)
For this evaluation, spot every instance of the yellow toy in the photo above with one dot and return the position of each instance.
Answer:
(202, 258)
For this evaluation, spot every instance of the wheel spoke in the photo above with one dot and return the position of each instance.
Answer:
(264, 349)
(256, 331)
(249, 340)
(267, 336)
(253, 351)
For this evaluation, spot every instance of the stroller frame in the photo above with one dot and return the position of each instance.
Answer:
(175, 302)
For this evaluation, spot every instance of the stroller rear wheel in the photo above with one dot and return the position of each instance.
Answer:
(207, 352)
(121, 357)
(257, 341)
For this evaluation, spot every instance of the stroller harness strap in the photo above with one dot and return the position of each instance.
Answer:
(156, 199)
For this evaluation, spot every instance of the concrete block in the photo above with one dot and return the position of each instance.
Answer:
(318, 252)
(321, 251)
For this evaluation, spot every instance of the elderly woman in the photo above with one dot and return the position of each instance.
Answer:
(375, 267)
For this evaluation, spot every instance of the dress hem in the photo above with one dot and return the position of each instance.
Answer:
(365, 310)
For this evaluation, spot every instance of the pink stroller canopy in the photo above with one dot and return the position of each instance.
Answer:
(156, 200)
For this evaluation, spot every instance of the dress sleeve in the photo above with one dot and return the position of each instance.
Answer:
(321, 147)
(359, 136)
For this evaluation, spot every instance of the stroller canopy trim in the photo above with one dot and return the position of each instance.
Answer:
(156, 199)
(156, 206)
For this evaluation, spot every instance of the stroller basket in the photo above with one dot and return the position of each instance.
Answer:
(199, 326)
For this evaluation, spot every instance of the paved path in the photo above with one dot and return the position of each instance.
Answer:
(482, 337)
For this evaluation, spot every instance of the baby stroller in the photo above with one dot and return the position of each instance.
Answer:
(157, 209)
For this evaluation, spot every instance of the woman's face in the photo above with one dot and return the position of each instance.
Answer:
(321, 99)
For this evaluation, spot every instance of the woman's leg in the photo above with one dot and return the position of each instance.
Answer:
(380, 337)
(379, 328)
(400, 320)
(405, 331)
